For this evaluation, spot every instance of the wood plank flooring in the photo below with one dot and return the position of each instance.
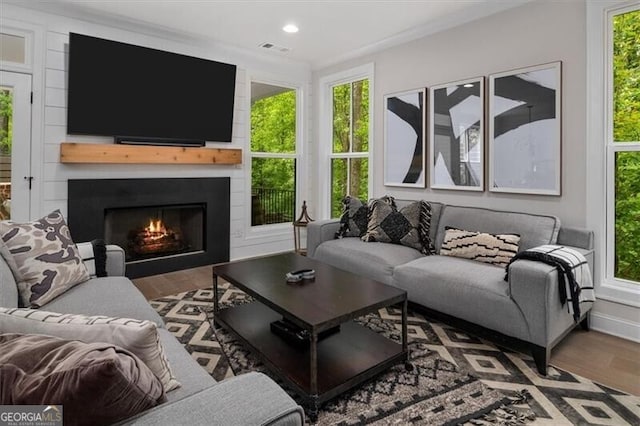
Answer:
(606, 359)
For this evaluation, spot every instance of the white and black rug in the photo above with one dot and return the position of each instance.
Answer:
(560, 398)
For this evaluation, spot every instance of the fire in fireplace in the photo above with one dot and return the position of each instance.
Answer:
(150, 232)
(155, 239)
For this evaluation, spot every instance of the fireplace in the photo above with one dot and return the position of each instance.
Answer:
(162, 224)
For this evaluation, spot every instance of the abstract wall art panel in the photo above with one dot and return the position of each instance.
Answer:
(456, 135)
(525, 130)
(404, 153)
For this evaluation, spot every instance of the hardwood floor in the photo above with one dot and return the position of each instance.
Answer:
(606, 359)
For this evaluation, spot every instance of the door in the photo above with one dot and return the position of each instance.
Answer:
(15, 145)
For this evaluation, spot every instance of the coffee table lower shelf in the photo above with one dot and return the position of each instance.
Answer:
(345, 359)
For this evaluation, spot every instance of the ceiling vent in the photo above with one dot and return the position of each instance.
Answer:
(275, 47)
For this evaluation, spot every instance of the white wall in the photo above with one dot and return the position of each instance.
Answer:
(535, 33)
(532, 34)
(52, 30)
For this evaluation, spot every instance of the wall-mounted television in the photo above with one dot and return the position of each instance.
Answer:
(142, 95)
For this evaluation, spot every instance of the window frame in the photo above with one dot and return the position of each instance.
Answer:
(283, 228)
(325, 146)
(602, 149)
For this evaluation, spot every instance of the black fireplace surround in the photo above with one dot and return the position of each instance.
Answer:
(90, 199)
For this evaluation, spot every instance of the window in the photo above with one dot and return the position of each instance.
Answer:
(345, 135)
(623, 148)
(273, 154)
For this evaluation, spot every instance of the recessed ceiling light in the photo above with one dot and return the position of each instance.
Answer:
(290, 28)
(468, 85)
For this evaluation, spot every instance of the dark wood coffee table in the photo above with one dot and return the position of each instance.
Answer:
(323, 368)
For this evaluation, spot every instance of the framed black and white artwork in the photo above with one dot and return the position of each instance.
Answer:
(404, 124)
(525, 130)
(456, 135)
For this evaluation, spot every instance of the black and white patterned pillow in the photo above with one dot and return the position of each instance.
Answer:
(408, 226)
(94, 256)
(44, 259)
(495, 249)
(355, 215)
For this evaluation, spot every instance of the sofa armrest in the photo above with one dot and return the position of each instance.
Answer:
(319, 232)
(534, 287)
(115, 261)
(248, 399)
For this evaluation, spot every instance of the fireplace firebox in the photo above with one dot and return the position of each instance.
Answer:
(162, 224)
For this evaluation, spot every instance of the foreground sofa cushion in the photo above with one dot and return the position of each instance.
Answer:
(372, 260)
(44, 258)
(109, 296)
(247, 399)
(96, 383)
(139, 337)
(355, 215)
(193, 376)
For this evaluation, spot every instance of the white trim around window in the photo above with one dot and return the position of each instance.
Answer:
(601, 150)
(325, 154)
(279, 229)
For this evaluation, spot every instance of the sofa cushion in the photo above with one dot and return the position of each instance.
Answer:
(139, 337)
(96, 383)
(45, 258)
(436, 209)
(496, 250)
(193, 377)
(110, 296)
(466, 289)
(534, 230)
(372, 260)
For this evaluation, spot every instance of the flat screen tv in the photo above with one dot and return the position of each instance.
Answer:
(143, 95)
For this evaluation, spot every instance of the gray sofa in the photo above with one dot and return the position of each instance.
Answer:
(247, 399)
(525, 310)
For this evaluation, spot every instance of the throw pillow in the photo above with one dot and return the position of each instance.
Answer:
(355, 216)
(353, 222)
(408, 226)
(94, 256)
(482, 247)
(46, 260)
(139, 337)
(96, 383)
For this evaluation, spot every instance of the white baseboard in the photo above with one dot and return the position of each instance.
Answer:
(615, 326)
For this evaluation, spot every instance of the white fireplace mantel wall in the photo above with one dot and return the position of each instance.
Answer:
(53, 32)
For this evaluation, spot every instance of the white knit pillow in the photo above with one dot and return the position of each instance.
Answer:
(138, 337)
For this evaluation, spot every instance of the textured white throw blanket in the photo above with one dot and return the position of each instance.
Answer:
(574, 275)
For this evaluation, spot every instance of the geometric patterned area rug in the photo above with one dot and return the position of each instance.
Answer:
(560, 398)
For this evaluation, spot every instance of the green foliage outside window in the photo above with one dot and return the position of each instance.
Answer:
(350, 135)
(6, 121)
(273, 180)
(626, 128)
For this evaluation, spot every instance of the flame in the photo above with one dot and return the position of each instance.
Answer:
(156, 229)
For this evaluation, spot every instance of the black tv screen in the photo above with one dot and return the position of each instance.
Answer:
(126, 91)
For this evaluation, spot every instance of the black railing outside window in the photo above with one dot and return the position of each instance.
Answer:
(269, 206)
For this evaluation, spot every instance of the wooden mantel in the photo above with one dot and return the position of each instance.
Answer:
(143, 154)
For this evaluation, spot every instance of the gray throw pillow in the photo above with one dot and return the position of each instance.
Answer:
(44, 259)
